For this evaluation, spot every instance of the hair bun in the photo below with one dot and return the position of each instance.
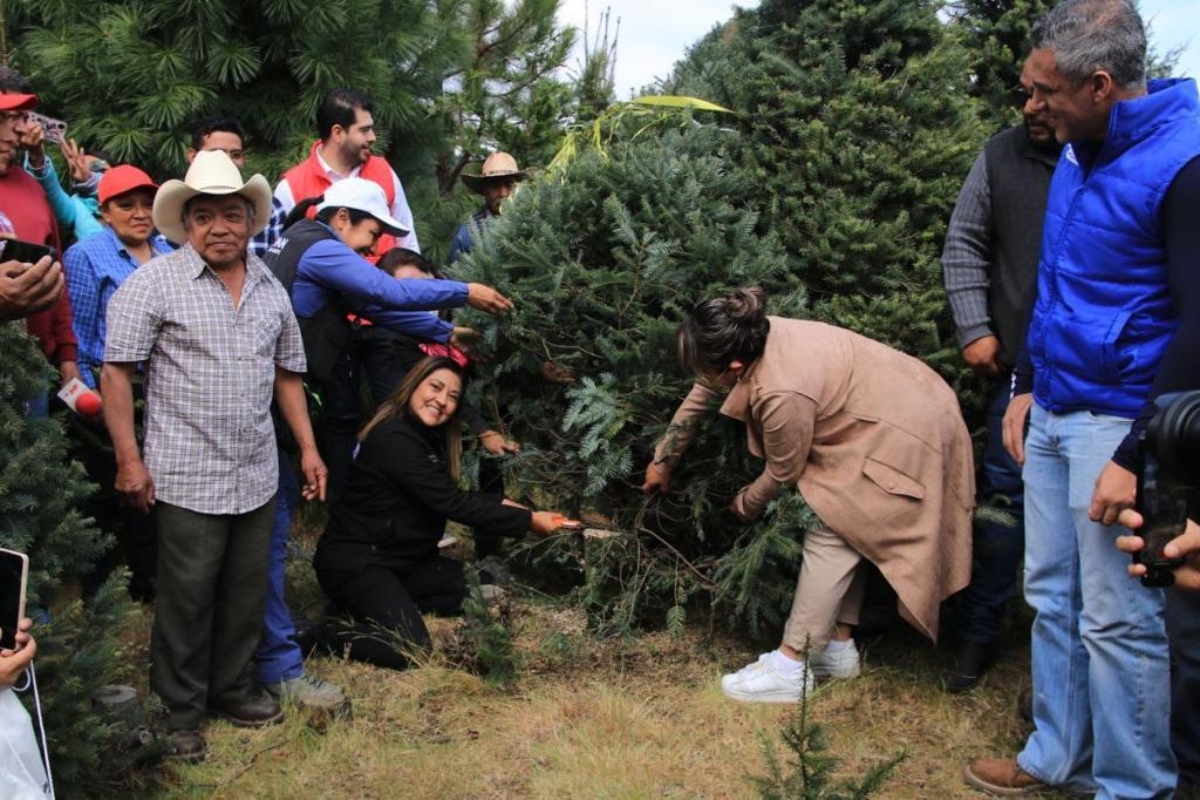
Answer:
(747, 305)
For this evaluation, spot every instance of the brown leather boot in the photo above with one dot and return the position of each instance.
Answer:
(1002, 776)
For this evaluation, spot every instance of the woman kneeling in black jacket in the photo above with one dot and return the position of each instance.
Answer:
(378, 558)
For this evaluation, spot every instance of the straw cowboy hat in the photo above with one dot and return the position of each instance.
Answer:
(497, 166)
(212, 173)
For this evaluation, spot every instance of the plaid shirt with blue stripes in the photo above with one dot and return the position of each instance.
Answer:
(210, 376)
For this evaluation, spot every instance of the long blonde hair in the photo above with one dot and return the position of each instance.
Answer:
(397, 404)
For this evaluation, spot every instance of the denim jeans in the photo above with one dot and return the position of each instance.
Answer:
(1101, 677)
(278, 657)
(998, 545)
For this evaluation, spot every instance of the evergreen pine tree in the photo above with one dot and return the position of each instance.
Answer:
(450, 81)
(999, 31)
(80, 650)
(133, 78)
(862, 127)
(807, 773)
(605, 258)
(830, 186)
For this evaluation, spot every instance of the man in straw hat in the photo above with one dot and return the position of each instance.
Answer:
(219, 340)
(495, 182)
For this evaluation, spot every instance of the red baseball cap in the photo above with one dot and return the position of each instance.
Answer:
(122, 179)
(18, 102)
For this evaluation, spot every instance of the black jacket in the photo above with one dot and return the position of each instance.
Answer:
(397, 499)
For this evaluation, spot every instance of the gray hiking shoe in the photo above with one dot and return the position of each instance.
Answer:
(310, 692)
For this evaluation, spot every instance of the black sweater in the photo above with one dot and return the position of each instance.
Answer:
(397, 499)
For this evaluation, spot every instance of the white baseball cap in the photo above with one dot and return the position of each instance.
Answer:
(366, 196)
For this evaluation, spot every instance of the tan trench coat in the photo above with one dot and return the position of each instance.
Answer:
(874, 441)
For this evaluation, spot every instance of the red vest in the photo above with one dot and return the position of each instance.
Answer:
(308, 179)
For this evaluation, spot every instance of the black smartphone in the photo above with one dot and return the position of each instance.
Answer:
(1163, 504)
(14, 572)
(26, 252)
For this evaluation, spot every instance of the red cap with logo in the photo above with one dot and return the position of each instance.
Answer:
(122, 179)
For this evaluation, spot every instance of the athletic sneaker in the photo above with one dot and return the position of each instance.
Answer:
(842, 664)
(309, 691)
(761, 682)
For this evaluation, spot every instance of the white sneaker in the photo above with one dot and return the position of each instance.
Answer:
(842, 664)
(761, 682)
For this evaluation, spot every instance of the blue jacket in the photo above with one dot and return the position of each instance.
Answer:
(77, 212)
(464, 238)
(1104, 314)
(328, 270)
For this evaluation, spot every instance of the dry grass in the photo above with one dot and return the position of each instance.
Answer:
(594, 718)
(604, 719)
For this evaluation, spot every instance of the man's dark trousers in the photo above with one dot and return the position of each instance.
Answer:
(998, 544)
(212, 582)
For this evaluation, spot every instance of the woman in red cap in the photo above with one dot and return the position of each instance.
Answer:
(98, 265)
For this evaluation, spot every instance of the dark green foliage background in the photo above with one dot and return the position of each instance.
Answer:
(80, 650)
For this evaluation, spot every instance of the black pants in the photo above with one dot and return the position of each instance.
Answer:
(1183, 627)
(212, 584)
(386, 606)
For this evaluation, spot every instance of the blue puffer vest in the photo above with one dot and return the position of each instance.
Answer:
(1104, 315)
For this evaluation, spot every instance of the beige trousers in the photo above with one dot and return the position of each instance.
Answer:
(828, 591)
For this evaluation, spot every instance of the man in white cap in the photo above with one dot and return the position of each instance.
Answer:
(496, 181)
(219, 341)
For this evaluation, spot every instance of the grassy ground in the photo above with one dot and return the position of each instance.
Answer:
(615, 718)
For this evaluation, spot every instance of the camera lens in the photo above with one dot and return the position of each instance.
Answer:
(1173, 436)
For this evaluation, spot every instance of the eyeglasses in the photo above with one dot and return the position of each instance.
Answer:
(99, 166)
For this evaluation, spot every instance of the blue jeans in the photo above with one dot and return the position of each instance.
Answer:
(1101, 676)
(998, 546)
(278, 657)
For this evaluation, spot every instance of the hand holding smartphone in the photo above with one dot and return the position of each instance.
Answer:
(1163, 505)
(14, 574)
(25, 252)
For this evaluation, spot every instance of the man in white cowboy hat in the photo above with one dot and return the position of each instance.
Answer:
(495, 181)
(218, 338)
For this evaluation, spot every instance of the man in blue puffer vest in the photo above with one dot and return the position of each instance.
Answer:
(1114, 326)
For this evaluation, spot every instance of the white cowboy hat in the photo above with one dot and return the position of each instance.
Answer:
(497, 166)
(212, 173)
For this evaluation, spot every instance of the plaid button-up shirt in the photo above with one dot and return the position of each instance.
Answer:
(210, 374)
